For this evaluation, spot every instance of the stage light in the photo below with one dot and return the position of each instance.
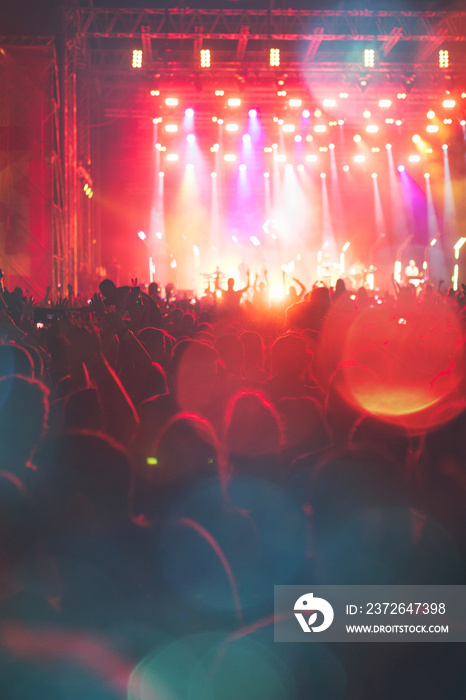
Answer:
(323, 175)
(416, 138)
(341, 122)
(252, 112)
(213, 174)
(414, 158)
(433, 242)
(280, 121)
(280, 157)
(320, 128)
(161, 173)
(401, 96)
(443, 58)
(246, 138)
(357, 138)
(463, 122)
(231, 127)
(306, 113)
(155, 93)
(323, 149)
(385, 104)
(171, 101)
(367, 114)
(288, 167)
(159, 235)
(343, 95)
(369, 58)
(345, 247)
(399, 122)
(309, 138)
(266, 175)
(219, 121)
(329, 102)
(242, 168)
(205, 58)
(359, 159)
(331, 146)
(171, 128)
(401, 168)
(449, 103)
(142, 235)
(234, 102)
(375, 149)
(430, 114)
(427, 176)
(229, 157)
(274, 58)
(189, 167)
(432, 128)
(311, 158)
(295, 102)
(445, 147)
(214, 119)
(219, 93)
(190, 138)
(172, 157)
(300, 167)
(254, 240)
(288, 128)
(137, 58)
(281, 93)
(447, 121)
(189, 112)
(389, 120)
(317, 113)
(388, 146)
(235, 240)
(372, 128)
(86, 187)
(374, 176)
(214, 148)
(345, 168)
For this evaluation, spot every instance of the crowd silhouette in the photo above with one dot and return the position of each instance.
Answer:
(164, 464)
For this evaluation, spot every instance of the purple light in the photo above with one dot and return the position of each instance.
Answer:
(246, 138)
(189, 112)
(306, 113)
(253, 112)
(401, 168)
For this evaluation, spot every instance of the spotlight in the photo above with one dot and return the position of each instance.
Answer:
(213, 174)
(408, 82)
(449, 103)
(246, 138)
(346, 168)
(142, 235)
(366, 114)
(172, 157)
(252, 112)
(414, 158)
(374, 176)
(137, 58)
(416, 138)
(189, 112)
(155, 93)
(171, 128)
(320, 128)
(229, 157)
(190, 138)
(288, 128)
(311, 158)
(385, 104)
(298, 138)
(432, 128)
(205, 58)
(445, 147)
(443, 58)
(234, 102)
(401, 168)
(171, 101)
(330, 102)
(388, 146)
(231, 127)
(323, 175)
(363, 82)
(427, 176)
(356, 138)
(430, 114)
(331, 146)
(189, 167)
(266, 175)
(274, 58)
(242, 168)
(369, 58)
(359, 159)
(295, 102)
(372, 128)
(306, 113)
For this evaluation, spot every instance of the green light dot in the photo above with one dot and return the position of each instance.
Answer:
(152, 461)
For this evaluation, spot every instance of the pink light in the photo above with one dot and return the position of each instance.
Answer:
(246, 138)
(306, 113)
(189, 112)
(252, 112)
(298, 138)
(401, 168)
(190, 138)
